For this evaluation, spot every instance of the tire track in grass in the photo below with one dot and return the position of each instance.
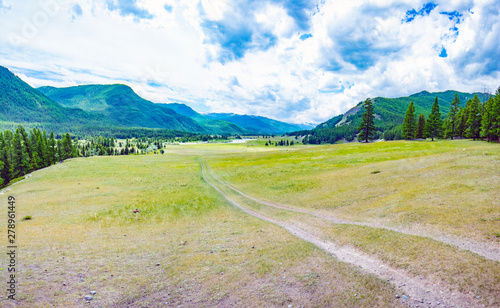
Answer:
(419, 292)
(486, 250)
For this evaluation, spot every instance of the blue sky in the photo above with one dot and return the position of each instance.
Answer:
(299, 61)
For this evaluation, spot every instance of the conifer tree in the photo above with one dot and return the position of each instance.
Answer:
(496, 115)
(51, 149)
(20, 159)
(420, 132)
(45, 144)
(490, 123)
(4, 161)
(434, 125)
(59, 154)
(67, 147)
(409, 123)
(461, 122)
(473, 109)
(452, 118)
(367, 126)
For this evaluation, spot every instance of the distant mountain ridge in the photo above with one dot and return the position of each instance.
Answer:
(389, 113)
(121, 105)
(246, 123)
(257, 123)
(210, 125)
(20, 103)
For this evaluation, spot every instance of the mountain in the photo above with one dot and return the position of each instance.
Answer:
(238, 124)
(218, 127)
(121, 106)
(21, 104)
(185, 110)
(256, 123)
(389, 113)
(105, 108)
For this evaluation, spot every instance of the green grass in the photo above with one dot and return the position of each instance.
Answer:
(85, 235)
(450, 268)
(444, 186)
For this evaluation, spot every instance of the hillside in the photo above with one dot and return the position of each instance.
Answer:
(257, 123)
(21, 104)
(389, 113)
(121, 105)
(246, 124)
(213, 126)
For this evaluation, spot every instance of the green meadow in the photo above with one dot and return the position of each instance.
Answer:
(441, 186)
(149, 231)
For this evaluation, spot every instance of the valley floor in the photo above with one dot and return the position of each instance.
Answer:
(386, 224)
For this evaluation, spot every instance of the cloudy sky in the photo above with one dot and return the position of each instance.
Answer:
(300, 61)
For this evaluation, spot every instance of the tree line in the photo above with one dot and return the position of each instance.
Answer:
(280, 143)
(475, 120)
(22, 152)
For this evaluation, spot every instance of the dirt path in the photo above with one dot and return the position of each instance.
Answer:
(418, 292)
(490, 251)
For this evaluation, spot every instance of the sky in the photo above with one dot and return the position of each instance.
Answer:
(301, 61)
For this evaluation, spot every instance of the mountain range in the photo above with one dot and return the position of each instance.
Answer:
(115, 107)
(249, 123)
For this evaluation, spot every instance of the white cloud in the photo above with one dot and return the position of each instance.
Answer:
(348, 51)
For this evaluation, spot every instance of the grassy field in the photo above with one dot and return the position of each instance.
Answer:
(445, 267)
(443, 186)
(186, 245)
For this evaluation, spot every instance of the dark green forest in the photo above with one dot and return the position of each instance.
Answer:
(22, 152)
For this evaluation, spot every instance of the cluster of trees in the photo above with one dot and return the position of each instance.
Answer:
(476, 120)
(201, 138)
(98, 146)
(104, 146)
(280, 143)
(329, 135)
(22, 152)
(421, 128)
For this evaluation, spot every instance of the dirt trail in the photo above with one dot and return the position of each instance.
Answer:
(418, 292)
(490, 251)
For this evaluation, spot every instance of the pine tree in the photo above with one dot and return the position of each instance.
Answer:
(493, 120)
(496, 115)
(434, 125)
(45, 141)
(452, 118)
(420, 132)
(59, 154)
(409, 123)
(367, 126)
(473, 110)
(66, 147)
(51, 149)
(20, 159)
(4, 161)
(461, 122)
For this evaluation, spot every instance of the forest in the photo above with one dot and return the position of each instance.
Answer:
(22, 152)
